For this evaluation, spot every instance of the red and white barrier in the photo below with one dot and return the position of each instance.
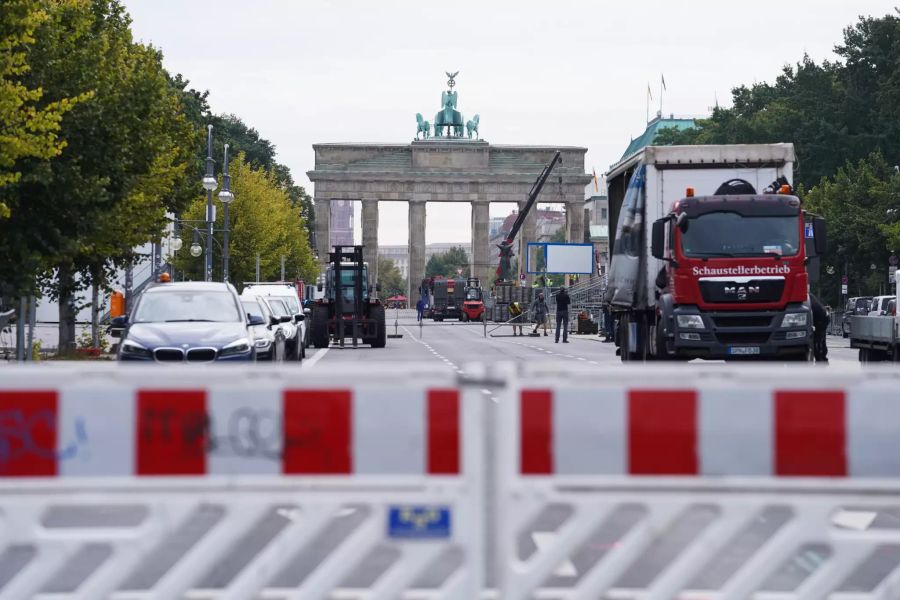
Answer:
(712, 428)
(62, 426)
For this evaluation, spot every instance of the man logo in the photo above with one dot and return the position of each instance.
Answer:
(741, 292)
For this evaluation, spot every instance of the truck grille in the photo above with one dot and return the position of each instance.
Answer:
(761, 290)
(742, 321)
(739, 338)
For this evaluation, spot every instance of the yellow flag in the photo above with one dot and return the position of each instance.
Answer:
(596, 183)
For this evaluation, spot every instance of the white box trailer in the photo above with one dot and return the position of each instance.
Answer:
(670, 170)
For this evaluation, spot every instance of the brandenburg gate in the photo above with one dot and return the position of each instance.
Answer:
(449, 166)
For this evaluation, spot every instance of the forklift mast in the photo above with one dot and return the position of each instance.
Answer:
(353, 255)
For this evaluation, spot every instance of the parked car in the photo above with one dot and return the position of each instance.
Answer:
(269, 336)
(287, 293)
(187, 322)
(878, 307)
(857, 306)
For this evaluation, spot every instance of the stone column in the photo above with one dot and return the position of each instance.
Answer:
(575, 222)
(528, 233)
(416, 248)
(370, 237)
(323, 228)
(481, 255)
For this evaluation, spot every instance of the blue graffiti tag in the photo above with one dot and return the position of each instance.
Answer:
(18, 431)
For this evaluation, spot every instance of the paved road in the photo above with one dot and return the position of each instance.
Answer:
(456, 344)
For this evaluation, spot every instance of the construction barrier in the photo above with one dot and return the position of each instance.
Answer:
(659, 482)
(708, 484)
(238, 483)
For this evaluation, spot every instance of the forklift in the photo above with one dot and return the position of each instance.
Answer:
(347, 308)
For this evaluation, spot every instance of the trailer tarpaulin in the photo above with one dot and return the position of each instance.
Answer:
(623, 288)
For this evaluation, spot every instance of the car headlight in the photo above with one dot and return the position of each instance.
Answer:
(239, 346)
(794, 320)
(690, 322)
(262, 343)
(132, 348)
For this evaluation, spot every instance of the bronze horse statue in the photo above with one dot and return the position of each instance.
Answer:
(424, 127)
(472, 127)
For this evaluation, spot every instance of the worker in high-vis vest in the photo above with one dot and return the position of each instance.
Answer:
(516, 317)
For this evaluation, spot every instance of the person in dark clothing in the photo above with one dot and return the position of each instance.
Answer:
(562, 315)
(820, 329)
(420, 309)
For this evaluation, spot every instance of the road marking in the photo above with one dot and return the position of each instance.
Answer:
(310, 362)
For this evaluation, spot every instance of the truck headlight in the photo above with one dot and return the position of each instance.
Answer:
(794, 320)
(690, 322)
(239, 346)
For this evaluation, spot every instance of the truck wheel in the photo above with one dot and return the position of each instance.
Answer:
(463, 317)
(376, 313)
(319, 330)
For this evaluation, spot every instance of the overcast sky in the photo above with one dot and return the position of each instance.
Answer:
(537, 72)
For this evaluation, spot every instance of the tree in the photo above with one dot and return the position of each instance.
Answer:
(447, 264)
(28, 127)
(128, 143)
(392, 281)
(263, 222)
(861, 203)
(832, 112)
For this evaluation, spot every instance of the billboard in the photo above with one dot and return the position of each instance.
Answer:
(560, 259)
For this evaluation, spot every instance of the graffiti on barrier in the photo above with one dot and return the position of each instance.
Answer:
(34, 434)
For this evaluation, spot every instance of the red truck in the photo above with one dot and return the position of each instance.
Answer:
(722, 273)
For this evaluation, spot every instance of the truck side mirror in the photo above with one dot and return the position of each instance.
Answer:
(820, 235)
(658, 241)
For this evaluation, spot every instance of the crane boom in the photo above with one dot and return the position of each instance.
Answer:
(506, 245)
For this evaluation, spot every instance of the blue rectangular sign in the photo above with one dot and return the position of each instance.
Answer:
(808, 230)
(419, 522)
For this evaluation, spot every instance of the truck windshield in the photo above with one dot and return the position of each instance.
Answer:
(728, 234)
(473, 294)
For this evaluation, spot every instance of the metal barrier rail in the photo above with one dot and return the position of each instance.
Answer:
(658, 482)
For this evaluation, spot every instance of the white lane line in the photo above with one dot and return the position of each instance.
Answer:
(310, 362)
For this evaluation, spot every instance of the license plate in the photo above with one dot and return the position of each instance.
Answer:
(743, 350)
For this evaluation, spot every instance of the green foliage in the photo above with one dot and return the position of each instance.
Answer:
(231, 130)
(447, 263)
(861, 203)
(128, 145)
(262, 221)
(392, 281)
(29, 126)
(832, 112)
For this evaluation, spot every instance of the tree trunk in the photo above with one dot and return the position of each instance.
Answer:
(96, 306)
(66, 311)
(95, 314)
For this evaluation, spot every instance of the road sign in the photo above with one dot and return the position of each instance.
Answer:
(808, 230)
(892, 270)
(844, 289)
(893, 260)
(419, 522)
(845, 280)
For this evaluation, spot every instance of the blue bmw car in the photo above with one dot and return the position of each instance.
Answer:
(187, 322)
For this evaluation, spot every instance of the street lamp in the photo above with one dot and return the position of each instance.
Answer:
(196, 250)
(209, 184)
(226, 198)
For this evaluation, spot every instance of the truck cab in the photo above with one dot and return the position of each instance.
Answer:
(735, 280)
